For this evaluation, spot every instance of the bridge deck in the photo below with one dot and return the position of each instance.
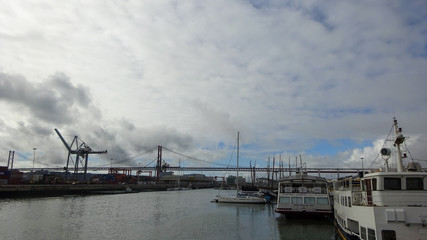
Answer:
(219, 169)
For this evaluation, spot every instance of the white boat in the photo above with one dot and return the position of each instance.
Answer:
(240, 197)
(303, 195)
(385, 204)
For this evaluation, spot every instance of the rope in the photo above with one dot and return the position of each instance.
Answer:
(407, 149)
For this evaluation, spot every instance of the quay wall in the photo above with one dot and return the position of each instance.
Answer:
(10, 190)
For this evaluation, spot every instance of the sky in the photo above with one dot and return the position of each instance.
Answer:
(317, 79)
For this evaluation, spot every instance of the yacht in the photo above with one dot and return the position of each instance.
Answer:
(384, 204)
(303, 195)
(240, 196)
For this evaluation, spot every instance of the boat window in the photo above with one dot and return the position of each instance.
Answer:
(363, 233)
(296, 200)
(414, 183)
(309, 200)
(374, 184)
(388, 234)
(371, 234)
(320, 188)
(364, 185)
(322, 201)
(296, 185)
(284, 200)
(353, 225)
(349, 201)
(392, 183)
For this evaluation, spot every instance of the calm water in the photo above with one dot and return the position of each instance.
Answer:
(150, 215)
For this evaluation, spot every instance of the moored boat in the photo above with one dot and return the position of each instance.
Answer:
(240, 197)
(385, 204)
(303, 195)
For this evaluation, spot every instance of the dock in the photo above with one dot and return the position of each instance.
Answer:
(30, 190)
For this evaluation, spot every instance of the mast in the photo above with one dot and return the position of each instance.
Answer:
(399, 140)
(272, 174)
(237, 180)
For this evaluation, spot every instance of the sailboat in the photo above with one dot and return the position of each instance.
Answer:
(240, 197)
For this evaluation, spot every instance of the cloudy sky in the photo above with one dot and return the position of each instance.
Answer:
(320, 79)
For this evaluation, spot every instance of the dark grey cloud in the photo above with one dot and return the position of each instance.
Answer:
(58, 103)
(126, 143)
(55, 100)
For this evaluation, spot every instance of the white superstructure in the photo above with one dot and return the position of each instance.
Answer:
(386, 204)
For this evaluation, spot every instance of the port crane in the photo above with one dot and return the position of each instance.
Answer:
(81, 150)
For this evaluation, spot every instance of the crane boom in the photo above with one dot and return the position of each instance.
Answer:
(63, 140)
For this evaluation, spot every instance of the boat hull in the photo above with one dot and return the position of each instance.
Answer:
(304, 214)
(341, 234)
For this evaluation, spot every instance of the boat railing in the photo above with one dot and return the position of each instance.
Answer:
(315, 190)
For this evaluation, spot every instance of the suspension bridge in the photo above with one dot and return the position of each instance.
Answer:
(165, 159)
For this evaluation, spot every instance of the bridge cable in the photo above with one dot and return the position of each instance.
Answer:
(193, 158)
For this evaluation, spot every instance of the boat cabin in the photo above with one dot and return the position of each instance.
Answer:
(303, 195)
(385, 189)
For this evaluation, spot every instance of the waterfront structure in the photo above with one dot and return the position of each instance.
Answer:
(386, 204)
(303, 195)
(187, 181)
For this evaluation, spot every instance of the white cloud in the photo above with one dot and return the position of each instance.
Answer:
(132, 75)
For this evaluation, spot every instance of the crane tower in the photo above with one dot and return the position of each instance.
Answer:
(81, 150)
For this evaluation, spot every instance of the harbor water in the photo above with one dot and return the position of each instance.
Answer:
(150, 215)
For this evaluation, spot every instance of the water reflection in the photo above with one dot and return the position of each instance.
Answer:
(248, 221)
(150, 215)
(295, 228)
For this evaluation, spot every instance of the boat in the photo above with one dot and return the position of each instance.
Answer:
(386, 203)
(240, 197)
(303, 195)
